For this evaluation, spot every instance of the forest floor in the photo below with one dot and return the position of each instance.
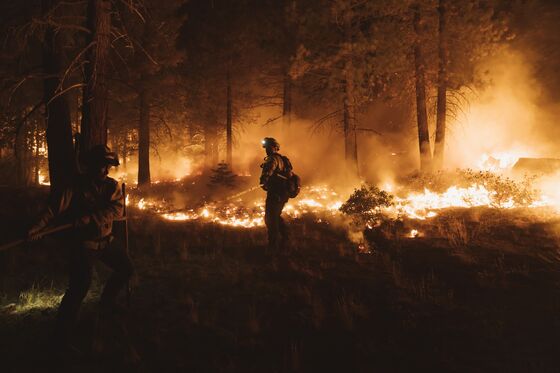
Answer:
(477, 291)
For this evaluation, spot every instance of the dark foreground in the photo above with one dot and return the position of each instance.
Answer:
(479, 293)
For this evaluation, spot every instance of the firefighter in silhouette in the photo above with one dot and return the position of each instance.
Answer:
(91, 202)
(274, 182)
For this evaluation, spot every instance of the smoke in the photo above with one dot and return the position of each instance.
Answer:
(504, 119)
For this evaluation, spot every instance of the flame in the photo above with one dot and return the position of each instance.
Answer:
(413, 233)
(498, 161)
(324, 203)
(42, 179)
(318, 200)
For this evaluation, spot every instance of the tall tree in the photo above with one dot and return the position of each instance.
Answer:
(95, 94)
(349, 115)
(420, 83)
(57, 110)
(343, 60)
(222, 54)
(443, 54)
(144, 138)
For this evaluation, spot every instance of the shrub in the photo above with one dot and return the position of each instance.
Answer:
(503, 189)
(364, 204)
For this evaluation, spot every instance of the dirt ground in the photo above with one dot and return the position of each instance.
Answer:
(476, 291)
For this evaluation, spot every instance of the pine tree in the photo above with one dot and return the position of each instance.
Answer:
(222, 176)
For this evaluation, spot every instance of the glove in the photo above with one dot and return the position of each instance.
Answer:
(34, 234)
(82, 221)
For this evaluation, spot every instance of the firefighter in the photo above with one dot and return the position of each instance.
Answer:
(274, 183)
(92, 202)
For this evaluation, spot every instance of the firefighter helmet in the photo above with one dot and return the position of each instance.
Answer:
(102, 155)
(270, 142)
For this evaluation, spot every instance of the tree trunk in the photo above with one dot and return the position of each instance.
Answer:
(439, 147)
(36, 158)
(94, 102)
(125, 150)
(21, 155)
(287, 103)
(421, 111)
(58, 120)
(349, 119)
(144, 139)
(229, 124)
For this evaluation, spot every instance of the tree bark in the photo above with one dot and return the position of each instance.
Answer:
(421, 111)
(349, 119)
(287, 103)
(94, 103)
(229, 124)
(36, 162)
(58, 119)
(144, 139)
(23, 176)
(441, 121)
(125, 150)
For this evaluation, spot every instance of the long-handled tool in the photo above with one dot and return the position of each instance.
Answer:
(126, 247)
(42, 233)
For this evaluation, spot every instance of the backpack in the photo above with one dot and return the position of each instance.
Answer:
(293, 181)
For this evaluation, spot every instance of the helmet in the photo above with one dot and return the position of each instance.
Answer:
(270, 142)
(101, 155)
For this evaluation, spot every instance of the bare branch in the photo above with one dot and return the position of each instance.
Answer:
(369, 130)
(77, 85)
(271, 120)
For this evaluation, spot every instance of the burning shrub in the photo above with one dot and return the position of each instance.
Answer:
(438, 181)
(365, 204)
(498, 190)
(504, 192)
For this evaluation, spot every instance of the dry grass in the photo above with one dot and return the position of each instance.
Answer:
(34, 299)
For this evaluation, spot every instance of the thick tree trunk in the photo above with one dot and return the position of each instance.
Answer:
(125, 150)
(349, 119)
(62, 166)
(94, 103)
(36, 144)
(421, 111)
(229, 124)
(287, 103)
(22, 156)
(144, 139)
(441, 121)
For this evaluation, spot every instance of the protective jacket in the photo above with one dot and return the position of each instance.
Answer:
(102, 201)
(271, 176)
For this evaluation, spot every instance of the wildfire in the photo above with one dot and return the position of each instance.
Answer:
(323, 203)
(498, 161)
(317, 200)
(422, 205)
(43, 179)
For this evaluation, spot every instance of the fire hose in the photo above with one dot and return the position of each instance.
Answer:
(241, 193)
(229, 198)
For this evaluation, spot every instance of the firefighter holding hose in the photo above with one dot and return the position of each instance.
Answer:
(272, 180)
(91, 203)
